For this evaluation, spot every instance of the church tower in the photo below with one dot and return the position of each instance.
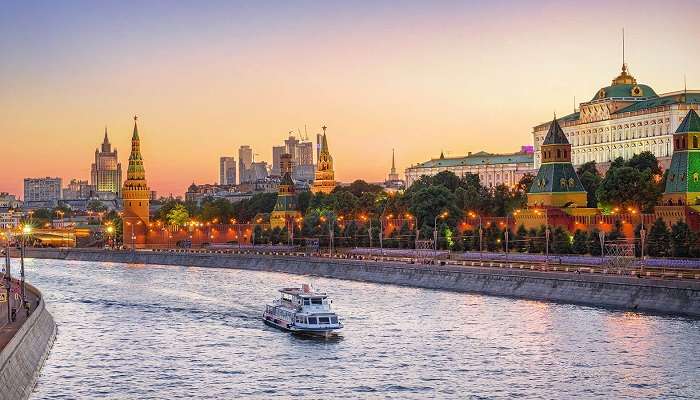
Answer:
(285, 211)
(556, 184)
(393, 176)
(324, 179)
(135, 197)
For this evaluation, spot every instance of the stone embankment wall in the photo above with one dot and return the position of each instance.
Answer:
(21, 360)
(665, 296)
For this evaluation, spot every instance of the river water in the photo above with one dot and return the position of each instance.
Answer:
(157, 332)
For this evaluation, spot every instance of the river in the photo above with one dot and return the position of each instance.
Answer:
(163, 332)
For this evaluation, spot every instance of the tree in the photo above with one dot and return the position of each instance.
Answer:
(590, 179)
(560, 241)
(427, 203)
(683, 240)
(659, 239)
(580, 242)
(447, 179)
(359, 187)
(616, 233)
(594, 248)
(178, 216)
(644, 161)
(96, 206)
(521, 239)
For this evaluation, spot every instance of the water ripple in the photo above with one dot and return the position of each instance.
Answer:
(157, 332)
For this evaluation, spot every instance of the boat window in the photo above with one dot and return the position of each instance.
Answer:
(323, 320)
(312, 320)
(307, 302)
(334, 320)
(317, 301)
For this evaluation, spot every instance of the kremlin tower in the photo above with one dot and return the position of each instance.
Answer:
(324, 179)
(285, 210)
(135, 197)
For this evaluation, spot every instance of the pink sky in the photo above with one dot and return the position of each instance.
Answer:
(420, 78)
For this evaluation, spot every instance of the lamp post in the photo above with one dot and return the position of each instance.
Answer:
(442, 215)
(481, 235)
(26, 231)
(8, 276)
(506, 235)
(110, 241)
(546, 236)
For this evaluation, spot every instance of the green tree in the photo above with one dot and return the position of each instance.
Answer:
(178, 216)
(580, 242)
(427, 203)
(590, 179)
(594, 248)
(659, 239)
(683, 240)
(561, 243)
(520, 240)
(96, 206)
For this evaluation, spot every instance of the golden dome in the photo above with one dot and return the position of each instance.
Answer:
(624, 78)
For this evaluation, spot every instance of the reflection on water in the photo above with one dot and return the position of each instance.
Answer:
(131, 332)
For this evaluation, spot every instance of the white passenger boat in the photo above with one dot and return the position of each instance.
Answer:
(301, 310)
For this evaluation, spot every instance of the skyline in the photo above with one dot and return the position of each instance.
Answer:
(252, 73)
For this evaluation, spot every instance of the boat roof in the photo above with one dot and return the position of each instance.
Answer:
(301, 293)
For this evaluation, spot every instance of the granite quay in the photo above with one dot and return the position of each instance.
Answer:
(24, 346)
(558, 283)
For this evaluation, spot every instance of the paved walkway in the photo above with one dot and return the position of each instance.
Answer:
(7, 329)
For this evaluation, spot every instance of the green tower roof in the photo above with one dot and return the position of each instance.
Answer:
(556, 178)
(691, 123)
(555, 135)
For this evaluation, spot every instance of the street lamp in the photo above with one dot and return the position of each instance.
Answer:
(481, 234)
(546, 235)
(442, 215)
(8, 276)
(26, 231)
(110, 230)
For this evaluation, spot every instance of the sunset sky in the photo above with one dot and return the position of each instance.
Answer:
(207, 77)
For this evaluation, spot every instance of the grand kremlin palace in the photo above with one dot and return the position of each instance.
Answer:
(621, 120)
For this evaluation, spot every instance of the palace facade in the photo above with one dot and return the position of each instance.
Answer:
(493, 169)
(621, 120)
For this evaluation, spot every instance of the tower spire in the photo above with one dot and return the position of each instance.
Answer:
(393, 161)
(105, 139)
(624, 64)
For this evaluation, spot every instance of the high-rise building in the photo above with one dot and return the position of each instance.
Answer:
(324, 178)
(227, 171)
(245, 161)
(106, 171)
(291, 146)
(135, 197)
(304, 154)
(42, 192)
(285, 211)
(277, 152)
(258, 171)
(319, 139)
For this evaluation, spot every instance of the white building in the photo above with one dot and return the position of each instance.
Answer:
(493, 169)
(42, 192)
(621, 120)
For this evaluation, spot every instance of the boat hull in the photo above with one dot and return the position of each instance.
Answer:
(288, 327)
